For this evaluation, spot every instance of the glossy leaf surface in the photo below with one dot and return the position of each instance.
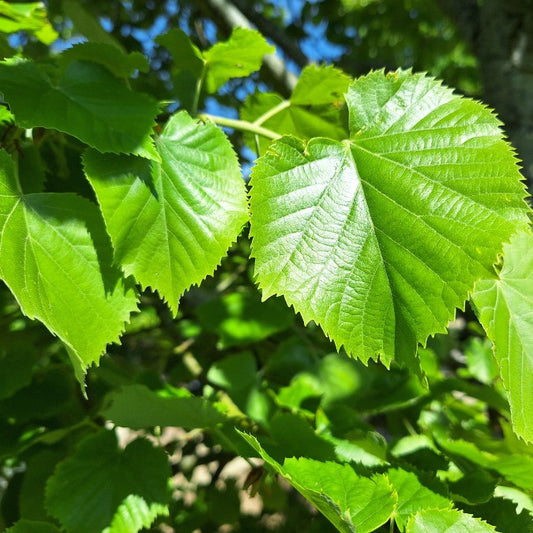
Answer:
(171, 223)
(379, 238)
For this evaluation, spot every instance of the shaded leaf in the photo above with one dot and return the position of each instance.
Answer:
(67, 280)
(112, 58)
(136, 407)
(29, 526)
(241, 318)
(111, 120)
(505, 309)
(88, 489)
(189, 208)
(379, 238)
(87, 24)
(503, 514)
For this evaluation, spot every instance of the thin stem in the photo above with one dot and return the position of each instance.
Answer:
(241, 125)
(197, 92)
(271, 112)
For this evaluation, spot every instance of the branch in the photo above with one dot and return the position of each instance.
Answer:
(223, 11)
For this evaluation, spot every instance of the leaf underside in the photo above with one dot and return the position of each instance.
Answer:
(380, 237)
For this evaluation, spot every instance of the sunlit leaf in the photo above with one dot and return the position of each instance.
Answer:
(413, 496)
(380, 237)
(505, 308)
(134, 514)
(350, 502)
(188, 209)
(237, 57)
(446, 521)
(27, 16)
(56, 258)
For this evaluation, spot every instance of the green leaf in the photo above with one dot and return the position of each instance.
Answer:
(503, 514)
(316, 107)
(28, 16)
(187, 65)
(379, 238)
(320, 85)
(189, 209)
(505, 309)
(87, 24)
(89, 488)
(87, 101)
(112, 58)
(350, 502)
(29, 526)
(241, 318)
(237, 57)
(137, 407)
(235, 372)
(56, 258)
(480, 360)
(446, 521)
(17, 358)
(135, 514)
(413, 496)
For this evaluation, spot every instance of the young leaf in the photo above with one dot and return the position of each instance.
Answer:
(450, 521)
(241, 55)
(87, 102)
(319, 85)
(189, 209)
(380, 237)
(304, 122)
(350, 502)
(505, 309)
(56, 258)
(134, 514)
(89, 488)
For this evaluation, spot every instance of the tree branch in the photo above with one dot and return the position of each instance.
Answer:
(226, 13)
